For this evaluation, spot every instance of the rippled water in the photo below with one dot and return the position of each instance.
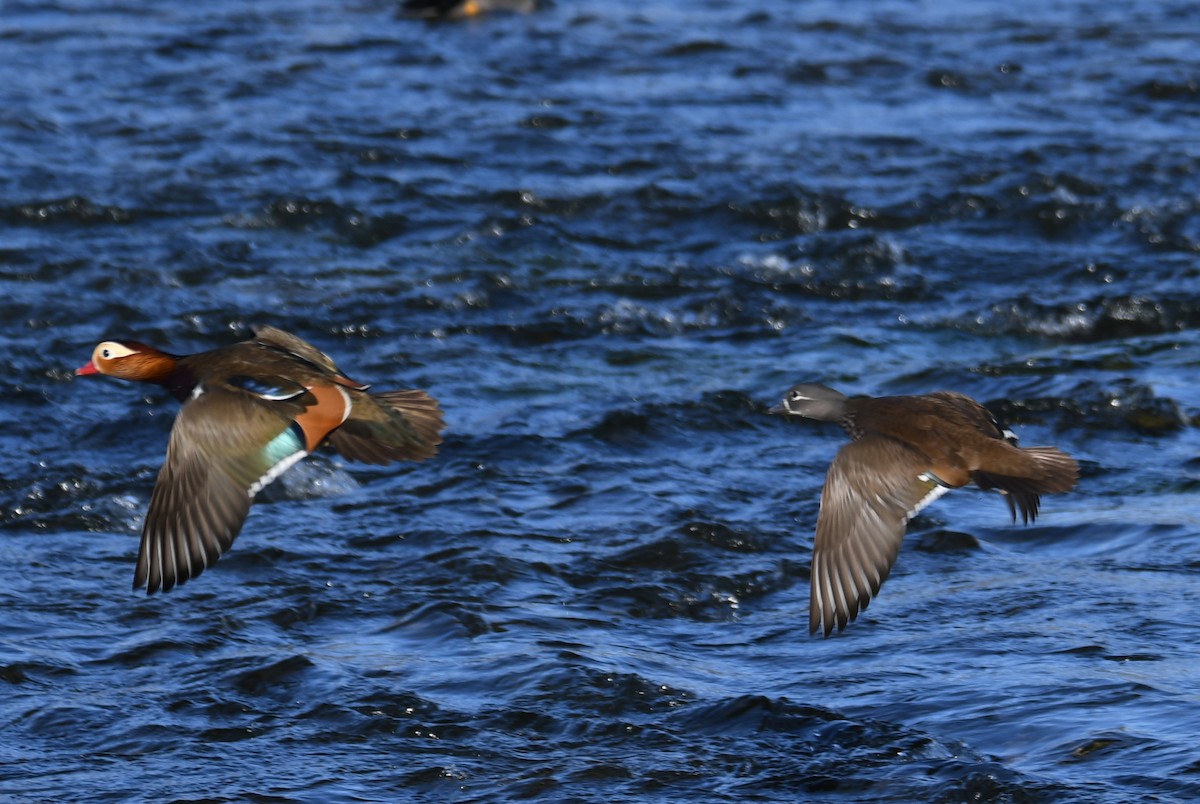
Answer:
(606, 236)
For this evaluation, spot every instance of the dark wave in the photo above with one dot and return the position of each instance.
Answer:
(1095, 406)
(1095, 319)
(73, 210)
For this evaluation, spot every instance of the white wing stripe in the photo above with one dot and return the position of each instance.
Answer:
(274, 472)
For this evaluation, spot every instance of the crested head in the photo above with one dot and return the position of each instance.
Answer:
(813, 401)
(129, 360)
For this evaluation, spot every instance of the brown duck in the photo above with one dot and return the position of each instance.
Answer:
(250, 411)
(905, 452)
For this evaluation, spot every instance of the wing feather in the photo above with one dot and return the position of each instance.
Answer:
(870, 490)
(202, 496)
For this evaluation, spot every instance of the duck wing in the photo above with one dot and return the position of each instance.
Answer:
(225, 447)
(874, 486)
(297, 347)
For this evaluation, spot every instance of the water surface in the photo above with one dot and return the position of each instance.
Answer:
(606, 236)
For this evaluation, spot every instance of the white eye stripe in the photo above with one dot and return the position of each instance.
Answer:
(111, 350)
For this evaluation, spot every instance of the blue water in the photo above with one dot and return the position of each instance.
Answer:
(606, 235)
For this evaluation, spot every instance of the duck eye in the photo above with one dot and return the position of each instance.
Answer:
(111, 350)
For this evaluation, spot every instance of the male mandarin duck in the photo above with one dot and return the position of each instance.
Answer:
(250, 411)
(904, 453)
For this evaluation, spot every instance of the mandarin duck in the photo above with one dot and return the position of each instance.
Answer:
(904, 453)
(250, 411)
(464, 9)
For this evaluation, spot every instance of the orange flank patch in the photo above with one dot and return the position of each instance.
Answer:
(318, 420)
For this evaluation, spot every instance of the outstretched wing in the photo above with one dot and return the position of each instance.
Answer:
(874, 486)
(223, 450)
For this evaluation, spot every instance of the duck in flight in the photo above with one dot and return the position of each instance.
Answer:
(250, 411)
(904, 453)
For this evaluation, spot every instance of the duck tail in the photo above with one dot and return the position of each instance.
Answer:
(1048, 470)
(390, 426)
(1056, 471)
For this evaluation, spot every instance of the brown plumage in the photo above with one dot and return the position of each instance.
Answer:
(250, 411)
(906, 451)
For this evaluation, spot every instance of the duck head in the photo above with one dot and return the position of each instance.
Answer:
(812, 401)
(129, 360)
